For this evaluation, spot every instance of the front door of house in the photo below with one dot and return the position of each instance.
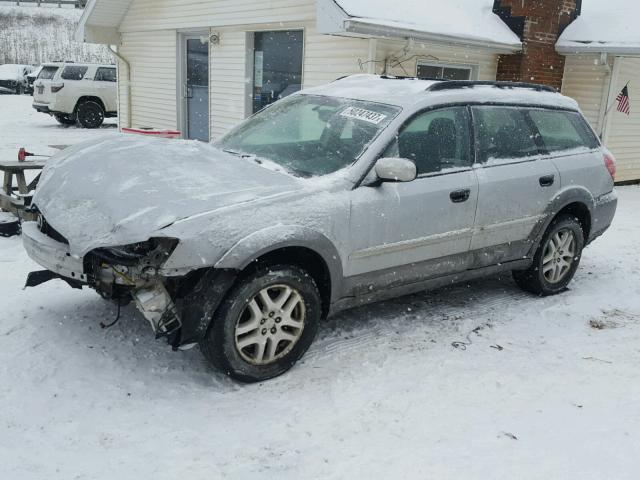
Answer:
(195, 87)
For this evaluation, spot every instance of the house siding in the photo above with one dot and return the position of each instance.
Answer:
(485, 63)
(586, 81)
(152, 57)
(623, 138)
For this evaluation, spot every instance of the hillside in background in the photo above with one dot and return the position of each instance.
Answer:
(33, 35)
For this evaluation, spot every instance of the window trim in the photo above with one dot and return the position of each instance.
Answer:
(250, 52)
(471, 68)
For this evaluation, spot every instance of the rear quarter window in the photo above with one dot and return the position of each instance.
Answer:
(47, 73)
(562, 131)
(105, 74)
(74, 73)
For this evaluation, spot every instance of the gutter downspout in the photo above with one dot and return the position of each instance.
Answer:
(613, 82)
(127, 84)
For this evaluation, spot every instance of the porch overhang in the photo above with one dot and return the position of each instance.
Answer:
(100, 21)
(580, 48)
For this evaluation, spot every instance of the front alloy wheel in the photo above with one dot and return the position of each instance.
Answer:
(265, 324)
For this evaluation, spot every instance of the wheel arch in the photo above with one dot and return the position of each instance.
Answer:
(296, 245)
(89, 98)
(575, 200)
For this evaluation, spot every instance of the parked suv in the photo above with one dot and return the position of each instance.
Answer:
(361, 190)
(13, 78)
(75, 92)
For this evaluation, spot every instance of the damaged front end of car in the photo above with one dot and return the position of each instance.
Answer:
(133, 272)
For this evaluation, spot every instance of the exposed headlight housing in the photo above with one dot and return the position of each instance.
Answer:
(153, 252)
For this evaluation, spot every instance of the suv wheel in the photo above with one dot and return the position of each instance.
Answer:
(266, 323)
(90, 114)
(556, 260)
(65, 119)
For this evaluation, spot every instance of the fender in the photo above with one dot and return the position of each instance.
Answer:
(274, 238)
(566, 196)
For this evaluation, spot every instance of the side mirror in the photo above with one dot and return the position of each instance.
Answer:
(396, 170)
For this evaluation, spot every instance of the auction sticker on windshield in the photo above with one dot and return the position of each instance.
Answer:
(364, 115)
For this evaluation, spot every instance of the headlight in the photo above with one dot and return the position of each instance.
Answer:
(153, 252)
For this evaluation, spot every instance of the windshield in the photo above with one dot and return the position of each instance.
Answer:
(310, 135)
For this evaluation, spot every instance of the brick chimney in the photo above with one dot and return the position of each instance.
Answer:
(538, 23)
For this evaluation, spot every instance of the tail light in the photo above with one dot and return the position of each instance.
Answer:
(610, 163)
(56, 87)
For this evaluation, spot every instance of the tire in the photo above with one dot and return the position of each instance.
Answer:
(90, 114)
(64, 119)
(553, 268)
(229, 343)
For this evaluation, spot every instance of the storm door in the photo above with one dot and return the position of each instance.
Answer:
(195, 87)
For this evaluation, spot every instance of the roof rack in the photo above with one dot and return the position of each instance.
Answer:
(456, 84)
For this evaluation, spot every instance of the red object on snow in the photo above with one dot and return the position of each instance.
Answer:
(152, 132)
(23, 154)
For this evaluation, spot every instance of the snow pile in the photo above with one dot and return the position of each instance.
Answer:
(604, 26)
(35, 35)
(457, 19)
(14, 72)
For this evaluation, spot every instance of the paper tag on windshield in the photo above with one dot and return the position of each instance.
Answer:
(364, 115)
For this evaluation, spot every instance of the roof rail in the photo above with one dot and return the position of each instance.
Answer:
(456, 84)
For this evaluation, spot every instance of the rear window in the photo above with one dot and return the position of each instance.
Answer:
(47, 73)
(106, 75)
(503, 134)
(74, 73)
(561, 130)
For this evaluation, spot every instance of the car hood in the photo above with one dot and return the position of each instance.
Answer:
(123, 189)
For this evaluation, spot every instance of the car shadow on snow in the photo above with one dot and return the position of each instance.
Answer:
(433, 316)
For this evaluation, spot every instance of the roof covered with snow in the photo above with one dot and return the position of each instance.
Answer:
(455, 22)
(467, 22)
(409, 92)
(608, 26)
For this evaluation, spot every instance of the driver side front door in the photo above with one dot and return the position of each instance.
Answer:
(402, 233)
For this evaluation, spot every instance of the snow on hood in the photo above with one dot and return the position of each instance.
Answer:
(14, 72)
(123, 189)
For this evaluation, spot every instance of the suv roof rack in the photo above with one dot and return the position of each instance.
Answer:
(457, 84)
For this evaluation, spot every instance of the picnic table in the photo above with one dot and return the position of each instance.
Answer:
(14, 198)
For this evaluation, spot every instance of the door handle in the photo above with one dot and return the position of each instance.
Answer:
(459, 196)
(547, 180)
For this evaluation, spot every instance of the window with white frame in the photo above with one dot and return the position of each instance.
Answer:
(440, 71)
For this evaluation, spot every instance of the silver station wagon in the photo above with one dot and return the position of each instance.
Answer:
(354, 192)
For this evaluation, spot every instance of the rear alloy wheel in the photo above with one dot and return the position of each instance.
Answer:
(90, 114)
(65, 119)
(266, 323)
(556, 260)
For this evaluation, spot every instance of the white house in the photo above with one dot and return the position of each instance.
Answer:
(201, 66)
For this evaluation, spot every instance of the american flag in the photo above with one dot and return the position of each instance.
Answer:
(623, 101)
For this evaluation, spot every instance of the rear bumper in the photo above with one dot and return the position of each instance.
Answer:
(41, 107)
(52, 255)
(603, 213)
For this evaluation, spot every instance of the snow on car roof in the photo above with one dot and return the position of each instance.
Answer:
(457, 19)
(603, 26)
(12, 71)
(405, 92)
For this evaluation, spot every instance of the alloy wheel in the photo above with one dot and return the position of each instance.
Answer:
(559, 255)
(270, 325)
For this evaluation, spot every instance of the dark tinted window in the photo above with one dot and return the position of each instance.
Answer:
(562, 130)
(438, 72)
(503, 134)
(47, 73)
(277, 67)
(74, 73)
(435, 140)
(106, 75)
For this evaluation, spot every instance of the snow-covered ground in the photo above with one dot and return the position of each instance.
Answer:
(547, 388)
(22, 126)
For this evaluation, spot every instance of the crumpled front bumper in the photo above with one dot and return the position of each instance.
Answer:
(51, 254)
